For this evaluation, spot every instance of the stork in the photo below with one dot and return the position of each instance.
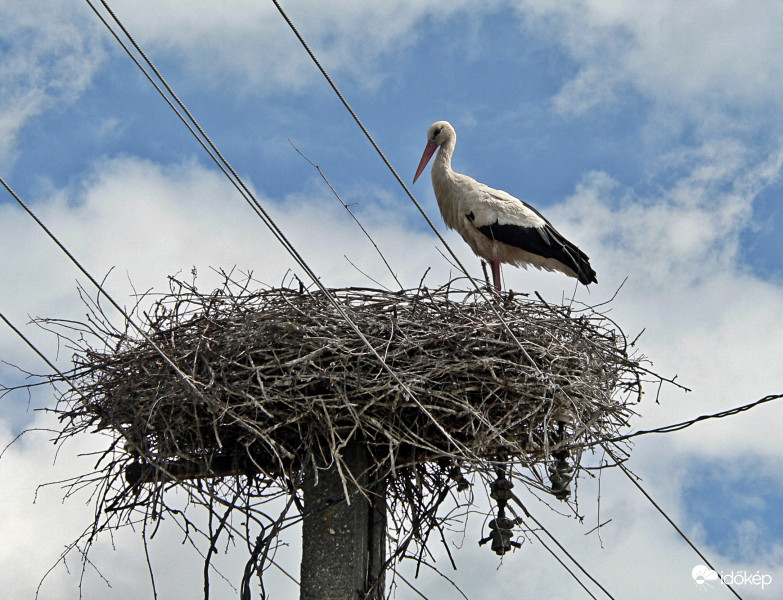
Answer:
(497, 226)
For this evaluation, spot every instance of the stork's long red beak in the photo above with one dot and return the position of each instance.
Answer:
(425, 158)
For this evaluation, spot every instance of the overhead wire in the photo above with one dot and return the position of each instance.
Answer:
(239, 184)
(42, 356)
(516, 499)
(405, 187)
(249, 197)
(188, 380)
(205, 141)
(34, 348)
(671, 522)
(194, 130)
(685, 424)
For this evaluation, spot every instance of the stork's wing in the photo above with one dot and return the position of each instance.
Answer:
(518, 224)
(544, 241)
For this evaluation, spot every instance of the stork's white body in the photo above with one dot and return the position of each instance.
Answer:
(497, 226)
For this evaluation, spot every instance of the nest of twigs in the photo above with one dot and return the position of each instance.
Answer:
(247, 382)
(228, 395)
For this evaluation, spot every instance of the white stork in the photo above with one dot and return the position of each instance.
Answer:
(497, 226)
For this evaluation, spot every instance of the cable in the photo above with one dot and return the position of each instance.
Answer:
(249, 197)
(564, 565)
(205, 141)
(147, 338)
(516, 499)
(684, 424)
(405, 187)
(36, 350)
(665, 516)
(52, 366)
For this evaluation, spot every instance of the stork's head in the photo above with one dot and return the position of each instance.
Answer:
(437, 134)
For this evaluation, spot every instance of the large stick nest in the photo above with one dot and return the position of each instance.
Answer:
(230, 395)
(264, 379)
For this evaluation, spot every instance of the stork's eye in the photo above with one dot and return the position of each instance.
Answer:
(436, 133)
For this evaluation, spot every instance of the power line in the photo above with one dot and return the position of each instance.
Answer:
(684, 424)
(404, 187)
(34, 348)
(516, 499)
(249, 197)
(189, 382)
(633, 480)
(565, 566)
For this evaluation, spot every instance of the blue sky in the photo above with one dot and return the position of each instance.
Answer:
(649, 133)
(749, 494)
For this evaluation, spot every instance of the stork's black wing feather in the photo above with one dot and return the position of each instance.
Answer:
(544, 241)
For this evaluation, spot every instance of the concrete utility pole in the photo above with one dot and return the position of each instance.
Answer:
(343, 545)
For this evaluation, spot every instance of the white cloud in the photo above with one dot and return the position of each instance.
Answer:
(39, 523)
(707, 319)
(47, 57)
(699, 61)
(250, 45)
(686, 232)
(589, 88)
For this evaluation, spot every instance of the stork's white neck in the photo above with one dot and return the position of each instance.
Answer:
(445, 184)
(442, 173)
(443, 158)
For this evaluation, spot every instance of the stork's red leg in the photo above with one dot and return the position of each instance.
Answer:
(496, 273)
